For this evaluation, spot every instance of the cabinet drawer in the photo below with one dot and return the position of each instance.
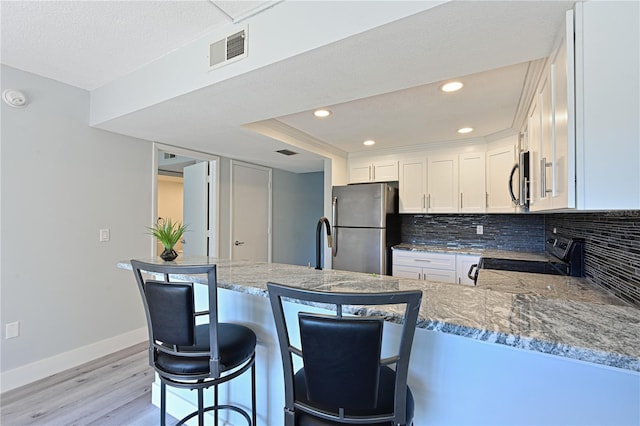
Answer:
(407, 272)
(425, 260)
(439, 275)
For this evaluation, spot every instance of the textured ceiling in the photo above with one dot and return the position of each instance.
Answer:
(90, 43)
(381, 84)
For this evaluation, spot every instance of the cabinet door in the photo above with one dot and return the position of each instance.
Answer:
(463, 264)
(359, 173)
(499, 164)
(407, 272)
(547, 160)
(442, 184)
(472, 183)
(563, 186)
(533, 137)
(412, 184)
(439, 275)
(385, 171)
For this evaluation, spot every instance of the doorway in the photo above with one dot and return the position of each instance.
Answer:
(186, 189)
(250, 214)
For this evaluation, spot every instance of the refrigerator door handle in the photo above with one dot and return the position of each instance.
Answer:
(334, 207)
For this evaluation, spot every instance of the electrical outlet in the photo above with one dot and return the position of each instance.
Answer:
(104, 235)
(12, 330)
(555, 231)
(479, 229)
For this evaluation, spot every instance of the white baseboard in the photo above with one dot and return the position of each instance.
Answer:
(38, 370)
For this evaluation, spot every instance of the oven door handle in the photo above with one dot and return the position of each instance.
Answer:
(473, 276)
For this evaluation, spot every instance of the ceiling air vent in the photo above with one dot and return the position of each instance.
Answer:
(286, 152)
(228, 49)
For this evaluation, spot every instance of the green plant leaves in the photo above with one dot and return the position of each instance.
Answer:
(168, 232)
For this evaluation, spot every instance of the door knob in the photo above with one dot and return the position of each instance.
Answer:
(238, 243)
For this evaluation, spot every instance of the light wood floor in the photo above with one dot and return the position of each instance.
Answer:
(112, 391)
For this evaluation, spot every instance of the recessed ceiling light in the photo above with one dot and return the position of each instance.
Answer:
(451, 86)
(465, 130)
(322, 113)
(369, 142)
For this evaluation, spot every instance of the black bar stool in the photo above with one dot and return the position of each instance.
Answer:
(343, 379)
(187, 353)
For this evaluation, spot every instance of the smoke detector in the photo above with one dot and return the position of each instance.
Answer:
(14, 98)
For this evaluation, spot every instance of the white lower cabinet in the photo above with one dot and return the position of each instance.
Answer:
(442, 267)
(464, 262)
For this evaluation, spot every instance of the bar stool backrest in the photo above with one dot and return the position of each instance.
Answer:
(343, 378)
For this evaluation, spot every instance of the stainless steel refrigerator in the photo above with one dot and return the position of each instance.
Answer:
(365, 226)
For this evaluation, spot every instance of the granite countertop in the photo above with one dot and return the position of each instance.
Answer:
(593, 330)
(549, 286)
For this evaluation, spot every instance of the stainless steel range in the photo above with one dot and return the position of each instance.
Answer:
(565, 256)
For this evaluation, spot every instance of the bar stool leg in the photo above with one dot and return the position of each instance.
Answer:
(253, 396)
(163, 403)
(200, 407)
(215, 403)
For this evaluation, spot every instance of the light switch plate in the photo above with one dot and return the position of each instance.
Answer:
(12, 330)
(104, 235)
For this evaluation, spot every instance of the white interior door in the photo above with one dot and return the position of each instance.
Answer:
(250, 212)
(196, 209)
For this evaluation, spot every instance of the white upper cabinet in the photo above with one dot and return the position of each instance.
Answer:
(442, 184)
(473, 194)
(449, 183)
(541, 145)
(412, 186)
(359, 173)
(380, 171)
(553, 149)
(499, 164)
(583, 124)
(563, 186)
(607, 57)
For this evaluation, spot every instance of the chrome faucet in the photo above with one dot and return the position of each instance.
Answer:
(329, 241)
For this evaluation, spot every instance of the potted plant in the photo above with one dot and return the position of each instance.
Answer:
(168, 233)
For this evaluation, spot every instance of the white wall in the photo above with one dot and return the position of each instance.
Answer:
(297, 207)
(61, 182)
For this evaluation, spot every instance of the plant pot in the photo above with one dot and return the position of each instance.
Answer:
(168, 254)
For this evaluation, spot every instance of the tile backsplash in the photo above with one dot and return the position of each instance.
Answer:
(612, 240)
(518, 232)
(612, 248)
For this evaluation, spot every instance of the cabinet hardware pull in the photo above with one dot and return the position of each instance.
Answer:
(461, 205)
(421, 260)
(543, 177)
(429, 201)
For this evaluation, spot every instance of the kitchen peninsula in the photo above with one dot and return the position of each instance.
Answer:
(501, 354)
